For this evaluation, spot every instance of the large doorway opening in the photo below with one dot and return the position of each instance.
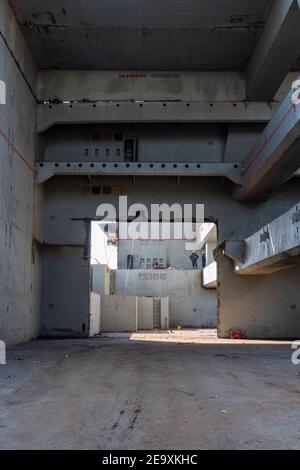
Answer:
(146, 284)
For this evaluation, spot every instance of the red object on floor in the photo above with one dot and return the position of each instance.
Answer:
(237, 335)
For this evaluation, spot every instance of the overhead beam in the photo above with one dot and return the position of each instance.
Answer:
(276, 156)
(276, 246)
(277, 50)
(183, 111)
(46, 170)
(104, 85)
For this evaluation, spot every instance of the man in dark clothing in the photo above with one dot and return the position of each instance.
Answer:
(194, 259)
(203, 260)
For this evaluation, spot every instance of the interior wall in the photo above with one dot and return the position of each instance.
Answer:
(66, 292)
(163, 142)
(189, 304)
(118, 313)
(20, 200)
(260, 306)
(68, 204)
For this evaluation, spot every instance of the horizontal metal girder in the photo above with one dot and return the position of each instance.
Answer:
(46, 170)
(50, 114)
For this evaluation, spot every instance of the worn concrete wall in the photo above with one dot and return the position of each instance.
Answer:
(164, 313)
(186, 86)
(118, 313)
(124, 313)
(66, 199)
(190, 305)
(158, 142)
(20, 200)
(106, 85)
(260, 306)
(165, 142)
(145, 313)
(66, 308)
(66, 292)
(95, 314)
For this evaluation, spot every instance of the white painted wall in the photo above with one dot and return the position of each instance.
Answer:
(210, 276)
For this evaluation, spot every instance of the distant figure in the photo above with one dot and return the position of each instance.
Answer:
(194, 259)
(203, 260)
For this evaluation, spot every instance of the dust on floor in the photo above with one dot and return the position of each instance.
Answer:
(157, 390)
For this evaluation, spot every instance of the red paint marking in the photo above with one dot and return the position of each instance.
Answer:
(17, 151)
(269, 139)
(132, 75)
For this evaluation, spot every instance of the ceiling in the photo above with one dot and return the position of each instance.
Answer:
(142, 34)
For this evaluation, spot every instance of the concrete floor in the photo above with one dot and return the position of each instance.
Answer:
(183, 390)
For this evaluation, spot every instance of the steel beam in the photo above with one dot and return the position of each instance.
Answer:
(49, 114)
(277, 51)
(276, 156)
(46, 170)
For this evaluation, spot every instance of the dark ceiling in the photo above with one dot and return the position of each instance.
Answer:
(142, 34)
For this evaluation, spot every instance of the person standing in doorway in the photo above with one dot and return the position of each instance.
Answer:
(194, 259)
